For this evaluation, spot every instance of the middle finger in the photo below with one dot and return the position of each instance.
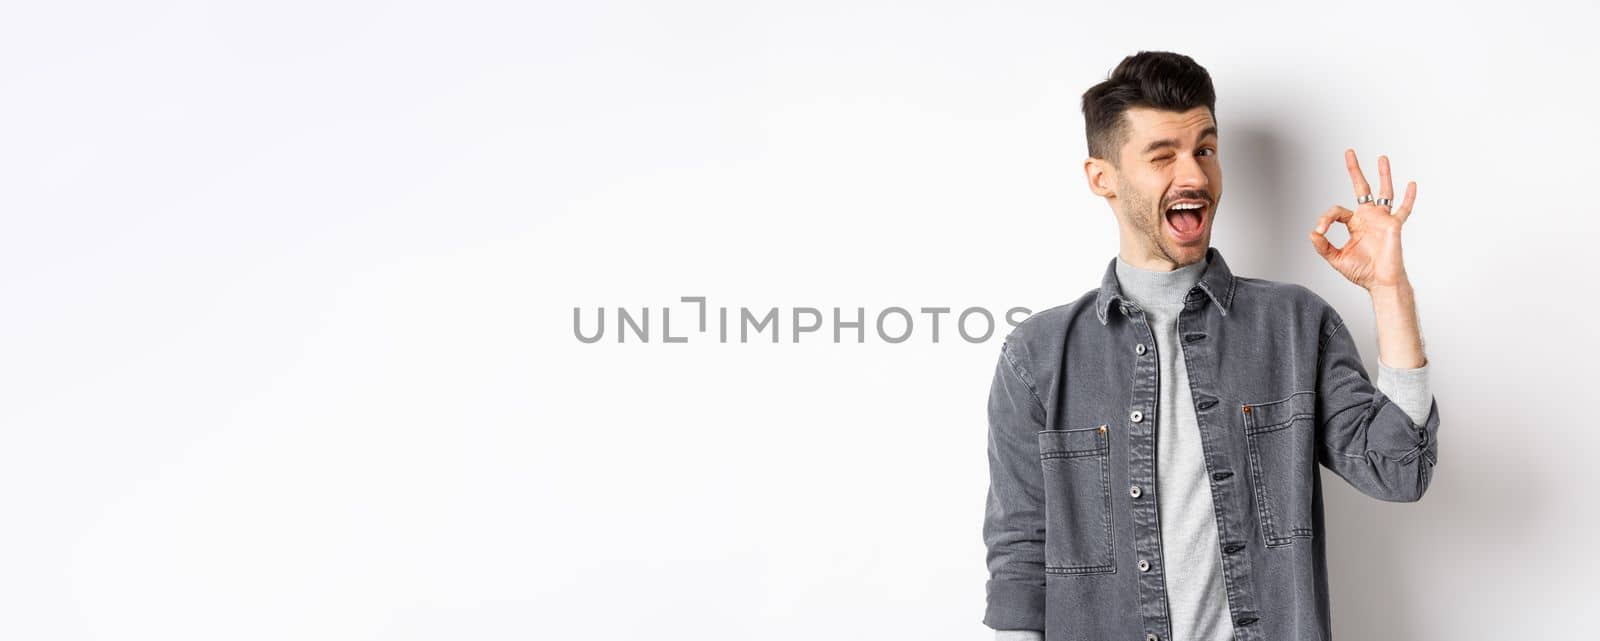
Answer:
(1357, 179)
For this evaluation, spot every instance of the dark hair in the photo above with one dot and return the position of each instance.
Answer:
(1158, 79)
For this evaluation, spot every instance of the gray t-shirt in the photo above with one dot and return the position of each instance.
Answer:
(1197, 599)
(1190, 552)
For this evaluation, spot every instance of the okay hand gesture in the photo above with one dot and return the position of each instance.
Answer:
(1371, 257)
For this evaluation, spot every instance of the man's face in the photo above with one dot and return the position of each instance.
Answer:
(1170, 165)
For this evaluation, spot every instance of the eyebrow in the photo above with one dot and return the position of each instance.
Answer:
(1172, 142)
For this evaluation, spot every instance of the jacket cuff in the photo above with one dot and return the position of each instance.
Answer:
(1014, 606)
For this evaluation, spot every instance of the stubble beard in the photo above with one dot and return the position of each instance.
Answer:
(1151, 221)
(1148, 220)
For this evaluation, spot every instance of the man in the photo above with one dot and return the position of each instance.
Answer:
(1154, 445)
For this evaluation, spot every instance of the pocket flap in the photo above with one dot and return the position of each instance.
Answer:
(1086, 440)
(1280, 413)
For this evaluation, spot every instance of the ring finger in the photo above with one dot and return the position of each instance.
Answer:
(1385, 183)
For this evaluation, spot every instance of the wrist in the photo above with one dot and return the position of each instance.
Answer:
(1400, 286)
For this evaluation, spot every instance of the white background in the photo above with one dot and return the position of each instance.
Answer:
(288, 289)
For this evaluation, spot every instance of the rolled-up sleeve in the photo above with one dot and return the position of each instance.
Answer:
(1013, 525)
(1407, 387)
(1364, 436)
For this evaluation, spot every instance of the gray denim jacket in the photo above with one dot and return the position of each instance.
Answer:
(1278, 388)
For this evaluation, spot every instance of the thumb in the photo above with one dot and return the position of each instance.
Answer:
(1325, 222)
(1323, 247)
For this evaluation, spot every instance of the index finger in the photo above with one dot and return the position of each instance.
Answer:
(1357, 179)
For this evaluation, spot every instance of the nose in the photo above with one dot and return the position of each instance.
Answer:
(1190, 175)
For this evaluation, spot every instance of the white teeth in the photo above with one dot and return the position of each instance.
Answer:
(1188, 206)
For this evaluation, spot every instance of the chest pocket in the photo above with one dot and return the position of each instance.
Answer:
(1077, 491)
(1281, 437)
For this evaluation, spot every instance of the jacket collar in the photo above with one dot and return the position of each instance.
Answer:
(1217, 282)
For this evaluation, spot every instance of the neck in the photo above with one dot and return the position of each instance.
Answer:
(1157, 286)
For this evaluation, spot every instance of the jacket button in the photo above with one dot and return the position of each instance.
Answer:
(1232, 548)
(1151, 637)
(1135, 491)
(1144, 566)
(1138, 349)
(1136, 416)
(1247, 620)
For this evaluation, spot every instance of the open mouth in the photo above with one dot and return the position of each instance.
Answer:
(1186, 218)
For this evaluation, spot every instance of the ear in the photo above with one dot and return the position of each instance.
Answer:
(1101, 176)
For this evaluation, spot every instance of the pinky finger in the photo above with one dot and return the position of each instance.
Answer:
(1411, 198)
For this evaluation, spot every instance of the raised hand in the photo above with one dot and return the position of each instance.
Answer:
(1371, 257)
